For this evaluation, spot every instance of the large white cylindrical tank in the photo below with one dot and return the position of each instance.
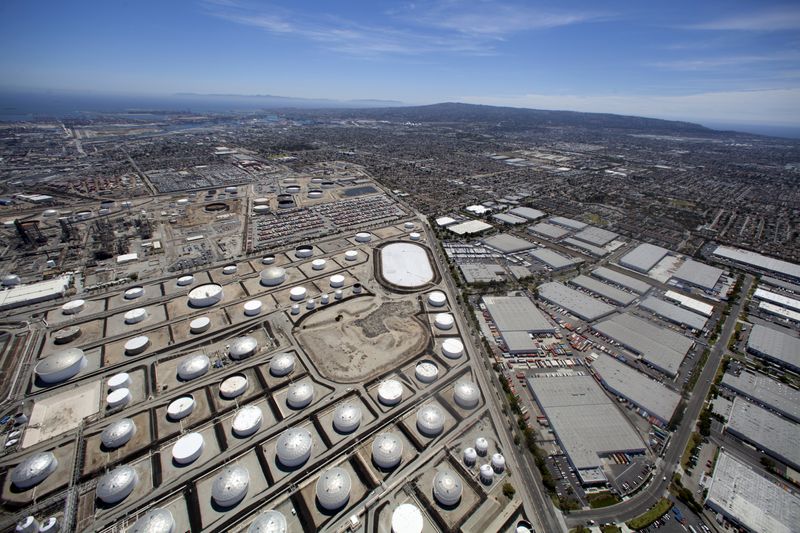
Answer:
(315, 194)
(188, 448)
(487, 474)
(205, 295)
(73, 307)
(137, 345)
(303, 251)
(118, 433)
(33, 470)
(61, 366)
(233, 386)
(118, 381)
(347, 417)
(252, 307)
(337, 280)
(273, 276)
(482, 446)
(260, 209)
(387, 450)
(447, 488)
(408, 225)
(230, 485)
(247, 421)
(452, 348)
(426, 371)
(242, 347)
(390, 392)
(351, 255)
(414, 236)
(407, 518)
(180, 407)
(269, 522)
(267, 259)
(117, 485)
(119, 398)
(430, 420)
(444, 321)
(300, 394)
(193, 366)
(282, 364)
(470, 456)
(29, 524)
(498, 462)
(229, 269)
(200, 325)
(333, 489)
(157, 520)
(134, 293)
(437, 298)
(363, 237)
(466, 394)
(318, 264)
(297, 294)
(185, 281)
(294, 447)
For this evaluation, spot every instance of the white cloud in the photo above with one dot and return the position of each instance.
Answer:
(774, 20)
(774, 106)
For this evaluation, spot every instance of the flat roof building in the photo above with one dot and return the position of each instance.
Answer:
(777, 299)
(674, 313)
(31, 293)
(445, 221)
(596, 236)
(579, 304)
(623, 280)
(779, 311)
(517, 313)
(779, 347)
(697, 274)
(482, 272)
(548, 230)
(758, 261)
(527, 212)
(470, 227)
(748, 498)
(586, 247)
(776, 435)
(690, 303)
(614, 294)
(766, 391)
(553, 259)
(568, 223)
(643, 257)
(509, 219)
(507, 243)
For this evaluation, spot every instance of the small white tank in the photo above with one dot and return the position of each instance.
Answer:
(294, 447)
(318, 264)
(351, 255)
(426, 371)
(337, 281)
(298, 294)
(118, 398)
(230, 485)
(482, 446)
(347, 417)
(466, 394)
(193, 367)
(269, 522)
(408, 225)
(414, 236)
(437, 299)
(134, 316)
(188, 448)
(430, 420)
(50, 525)
(118, 381)
(137, 345)
(390, 392)
(229, 269)
(282, 364)
(498, 462)
(118, 433)
(233, 386)
(487, 474)
(185, 281)
(267, 259)
(452, 348)
(447, 488)
(444, 321)
(357, 288)
(300, 394)
(407, 518)
(324, 299)
(133, 293)
(470, 456)
(311, 303)
(338, 294)
(180, 408)
(295, 309)
(200, 325)
(252, 307)
(73, 307)
(117, 485)
(363, 237)
(27, 525)
(247, 421)
(387, 450)
(333, 489)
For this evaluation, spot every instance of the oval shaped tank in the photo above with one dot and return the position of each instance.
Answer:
(33, 470)
(293, 189)
(61, 365)
(252, 307)
(333, 489)
(247, 421)
(498, 462)
(447, 488)
(487, 474)
(205, 295)
(184, 281)
(180, 408)
(73, 307)
(297, 294)
(300, 394)
(118, 433)
(270, 522)
(414, 236)
(282, 364)
(470, 456)
(29, 524)
(408, 225)
(273, 276)
(452, 348)
(444, 321)
(231, 189)
(363, 236)
(426, 371)
(229, 269)
(430, 420)
(337, 280)
(407, 518)
(193, 366)
(118, 381)
(200, 325)
(230, 485)
(134, 316)
(267, 259)
(116, 485)
(233, 386)
(303, 251)
(390, 392)
(482, 446)
(318, 264)
(437, 299)
(66, 335)
(294, 447)
(387, 450)
(137, 345)
(261, 209)
(134, 293)
(188, 448)
(315, 194)
(347, 417)
(118, 398)
(157, 520)
(351, 255)
(466, 394)
(242, 347)
(261, 201)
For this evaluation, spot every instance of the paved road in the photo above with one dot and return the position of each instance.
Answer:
(665, 468)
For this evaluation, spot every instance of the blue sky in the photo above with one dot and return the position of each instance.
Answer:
(722, 61)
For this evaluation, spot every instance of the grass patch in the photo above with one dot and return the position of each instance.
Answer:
(651, 515)
(602, 499)
(611, 528)
(694, 441)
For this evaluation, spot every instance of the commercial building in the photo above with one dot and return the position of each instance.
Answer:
(470, 227)
(579, 304)
(554, 260)
(674, 313)
(623, 280)
(766, 391)
(608, 292)
(697, 274)
(758, 261)
(568, 223)
(586, 247)
(32, 293)
(780, 312)
(445, 221)
(650, 396)
(511, 220)
(596, 236)
(777, 299)
(482, 272)
(776, 346)
(508, 243)
(548, 230)
(527, 212)
(765, 430)
(690, 303)
(517, 313)
(662, 348)
(750, 499)
(643, 257)
(587, 423)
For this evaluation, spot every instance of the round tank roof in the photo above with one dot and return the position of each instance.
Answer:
(116, 485)
(300, 394)
(452, 348)
(470, 456)
(49, 526)
(247, 421)
(337, 280)
(498, 462)
(426, 371)
(61, 365)
(229, 269)
(242, 347)
(233, 386)
(205, 295)
(180, 407)
(273, 276)
(188, 448)
(185, 280)
(267, 259)
(10, 280)
(282, 364)
(318, 264)
(414, 236)
(294, 447)
(118, 397)
(27, 525)
(363, 236)
(437, 298)
(447, 488)
(199, 325)
(333, 488)
(137, 345)
(33, 470)
(481, 446)
(270, 522)
(390, 392)
(487, 474)
(351, 255)
(156, 520)
(408, 225)
(118, 433)
(430, 420)
(467, 394)
(117, 381)
(444, 321)
(297, 293)
(133, 293)
(193, 366)
(407, 518)
(73, 307)
(252, 307)
(387, 450)
(230, 485)
(347, 417)
(67, 334)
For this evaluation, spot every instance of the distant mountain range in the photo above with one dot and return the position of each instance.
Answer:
(273, 101)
